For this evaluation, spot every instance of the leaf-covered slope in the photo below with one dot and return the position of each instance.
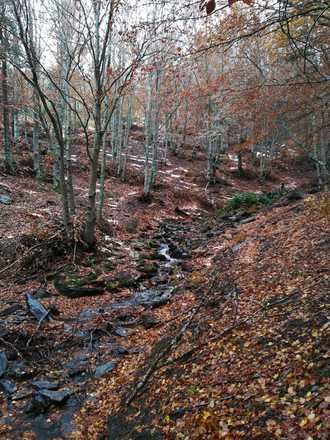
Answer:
(251, 363)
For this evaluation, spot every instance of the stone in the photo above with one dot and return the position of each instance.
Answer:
(35, 307)
(153, 297)
(148, 321)
(8, 386)
(78, 366)
(121, 280)
(103, 369)
(3, 363)
(56, 397)
(5, 200)
(45, 384)
(120, 351)
(120, 331)
(38, 405)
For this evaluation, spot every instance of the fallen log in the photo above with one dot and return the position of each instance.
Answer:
(77, 291)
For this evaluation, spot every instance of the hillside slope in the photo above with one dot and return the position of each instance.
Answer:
(248, 358)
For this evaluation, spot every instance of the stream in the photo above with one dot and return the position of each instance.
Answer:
(34, 403)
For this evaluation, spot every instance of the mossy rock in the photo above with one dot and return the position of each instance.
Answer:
(74, 280)
(121, 280)
(148, 268)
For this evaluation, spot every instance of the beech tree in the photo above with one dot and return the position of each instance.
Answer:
(83, 76)
(4, 48)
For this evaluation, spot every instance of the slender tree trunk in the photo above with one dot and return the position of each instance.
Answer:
(35, 149)
(324, 151)
(56, 162)
(240, 163)
(89, 232)
(9, 160)
(25, 127)
(102, 179)
(68, 148)
(64, 191)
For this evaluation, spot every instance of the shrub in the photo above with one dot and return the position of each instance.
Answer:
(247, 200)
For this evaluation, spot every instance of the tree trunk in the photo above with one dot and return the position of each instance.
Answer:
(9, 161)
(240, 163)
(102, 179)
(68, 147)
(89, 232)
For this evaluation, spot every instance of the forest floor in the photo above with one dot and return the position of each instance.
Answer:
(208, 328)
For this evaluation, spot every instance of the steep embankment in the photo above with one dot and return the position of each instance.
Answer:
(242, 353)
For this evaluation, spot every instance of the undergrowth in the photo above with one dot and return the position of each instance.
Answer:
(248, 200)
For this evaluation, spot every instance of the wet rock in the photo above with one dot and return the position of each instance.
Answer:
(147, 298)
(159, 256)
(149, 321)
(44, 399)
(45, 384)
(5, 199)
(56, 397)
(120, 331)
(120, 351)
(38, 405)
(8, 386)
(78, 366)
(35, 307)
(122, 280)
(3, 363)
(153, 297)
(101, 370)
